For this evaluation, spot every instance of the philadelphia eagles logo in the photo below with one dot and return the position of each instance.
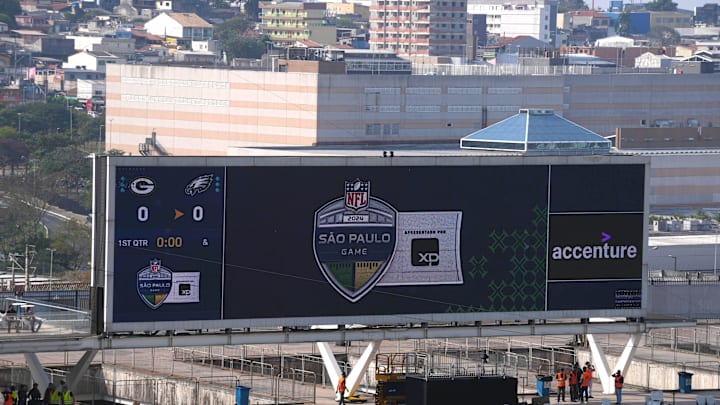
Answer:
(199, 184)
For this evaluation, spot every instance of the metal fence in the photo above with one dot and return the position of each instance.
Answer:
(263, 378)
(498, 70)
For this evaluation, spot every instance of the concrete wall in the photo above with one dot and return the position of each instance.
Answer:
(147, 388)
(655, 376)
(685, 301)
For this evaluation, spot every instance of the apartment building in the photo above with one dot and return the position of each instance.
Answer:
(290, 22)
(518, 18)
(419, 27)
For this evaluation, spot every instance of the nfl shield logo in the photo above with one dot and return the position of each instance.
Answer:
(154, 283)
(357, 194)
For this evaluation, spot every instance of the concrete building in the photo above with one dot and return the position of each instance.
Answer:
(205, 111)
(672, 19)
(184, 28)
(518, 18)
(90, 60)
(419, 28)
(287, 23)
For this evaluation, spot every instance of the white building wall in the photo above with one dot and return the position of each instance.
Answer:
(81, 60)
(163, 25)
(533, 21)
(85, 43)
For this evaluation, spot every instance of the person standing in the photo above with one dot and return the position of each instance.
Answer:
(561, 379)
(592, 373)
(66, 396)
(22, 395)
(619, 381)
(52, 396)
(584, 384)
(573, 381)
(341, 388)
(35, 395)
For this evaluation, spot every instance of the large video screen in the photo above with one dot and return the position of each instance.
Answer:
(285, 245)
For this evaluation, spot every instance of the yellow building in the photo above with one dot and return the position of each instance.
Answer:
(287, 23)
(672, 19)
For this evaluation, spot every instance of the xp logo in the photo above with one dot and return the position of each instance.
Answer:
(354, 240)
(142, 186)
(425, 252)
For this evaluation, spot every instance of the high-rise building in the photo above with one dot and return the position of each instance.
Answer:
(419, 27)
(515, 18)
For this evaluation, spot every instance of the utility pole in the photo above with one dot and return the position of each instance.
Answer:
(51, 250)
(29, 256)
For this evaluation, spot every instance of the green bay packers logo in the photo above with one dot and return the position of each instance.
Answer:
(354, 240)
(154, 284)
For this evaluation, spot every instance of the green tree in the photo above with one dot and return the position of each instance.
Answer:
(623, 24)
(661, 36)
(571, 5)
(252, 9)
(344, 22)
(661, 5)
(10, 8)
(72, 246)
(238, 40)
(245, 47)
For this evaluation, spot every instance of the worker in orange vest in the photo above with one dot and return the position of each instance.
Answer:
(561, 378)
(619, 381)
(341, 388)
(573, 381)
(584, 384)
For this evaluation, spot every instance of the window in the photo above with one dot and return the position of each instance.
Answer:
(373, 129)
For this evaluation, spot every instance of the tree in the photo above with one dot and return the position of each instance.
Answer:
(344, 22)
(10, 8)
(623, 24)
(571, 5)
(252, 9)
(12, 153)
(238, 40)
(661, 5)
(72, 246)
(662, 36)
(245, 47)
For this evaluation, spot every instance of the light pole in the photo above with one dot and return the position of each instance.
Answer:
(51, 263)
(67, 105)
(108, 132)
(99, 137)
(674, 262)
(19, 122)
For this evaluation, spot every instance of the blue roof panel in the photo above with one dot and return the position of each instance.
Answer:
(537, 127)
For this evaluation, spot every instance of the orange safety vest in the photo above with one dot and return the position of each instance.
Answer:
(561, 377)
(341, 386)
(619, 381)
(573, 378)
(586, 377)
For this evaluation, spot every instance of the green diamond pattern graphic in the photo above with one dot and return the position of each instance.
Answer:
(522, 254)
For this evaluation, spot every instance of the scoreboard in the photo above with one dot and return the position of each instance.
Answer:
(195, 243)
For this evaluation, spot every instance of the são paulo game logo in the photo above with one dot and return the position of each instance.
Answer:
(154, 283)
(362, 242)
(354, 240)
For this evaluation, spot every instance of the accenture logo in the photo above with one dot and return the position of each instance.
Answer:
(603, 251)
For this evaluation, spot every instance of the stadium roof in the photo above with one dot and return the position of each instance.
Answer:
(537, 132)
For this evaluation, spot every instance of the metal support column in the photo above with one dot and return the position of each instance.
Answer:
(603, 370)
(79, 370)
(36, 369)
(358, 371)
